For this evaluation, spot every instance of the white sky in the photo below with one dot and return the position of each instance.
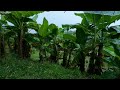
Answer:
(60, 17)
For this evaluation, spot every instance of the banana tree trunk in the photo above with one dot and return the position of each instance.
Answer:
(65, 58)
(16, 45)
(91, 63)
(82, 61)
(2, 46)
(53, 56)
(26, 49)
(21, 43)
(3, 43)
(68, 62)
(41, 52)
(98, 62)
(10, 48)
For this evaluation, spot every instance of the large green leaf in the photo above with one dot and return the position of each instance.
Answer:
(110, 13)
(52, 26)
(54, 29)
(116, 49)
(94, 19)
(91, 18)
(81, 36)
(25, 19)
(11, 18)
(16, 17)
(99, 18)
(69, 37)
(109, 50)
(2, 22)
(116, 62)
(43, 29)
(20, 14)
(33, 25)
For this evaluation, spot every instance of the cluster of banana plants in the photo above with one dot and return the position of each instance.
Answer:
(91, 43)
(97, 40)
(17, 31)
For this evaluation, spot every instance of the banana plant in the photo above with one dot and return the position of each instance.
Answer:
(80, 38)
(96, 24)
(68, 45)
(19, 19)
(2, 36)
(46, 34)
(114, 43)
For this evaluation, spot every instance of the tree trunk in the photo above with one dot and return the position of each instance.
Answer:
(26, 49)
(98, 61)
(21, 44)
(68, 61)
(65, 58)
(10, 48)
(41, 53)
(16, 49)
(2, 47)
(91, 63)
(82, 62)
(53, 56)
(18, 45)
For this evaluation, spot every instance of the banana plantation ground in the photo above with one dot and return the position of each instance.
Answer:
(90, 51)
(13, 68)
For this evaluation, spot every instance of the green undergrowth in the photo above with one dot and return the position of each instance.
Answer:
(13, 68)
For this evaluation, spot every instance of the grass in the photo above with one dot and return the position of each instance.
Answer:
(14, 68)
(35, 55)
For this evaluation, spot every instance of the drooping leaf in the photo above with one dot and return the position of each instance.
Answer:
(116, 49)
(33, 25)
(109, 50)
(110, 13)
(69, 37)
(117, 28)
(20, 14)
(11, 18)
(116, 62)
(91, 18)
(54, 29)
(25, 19)
(81, 36)
(35, 17)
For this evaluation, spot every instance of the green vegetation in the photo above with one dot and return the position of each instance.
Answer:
(90, 52)
(13, 68)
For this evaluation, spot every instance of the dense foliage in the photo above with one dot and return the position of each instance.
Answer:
(93, 47)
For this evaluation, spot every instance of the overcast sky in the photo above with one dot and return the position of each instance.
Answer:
(62, 17)
(59, 17)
